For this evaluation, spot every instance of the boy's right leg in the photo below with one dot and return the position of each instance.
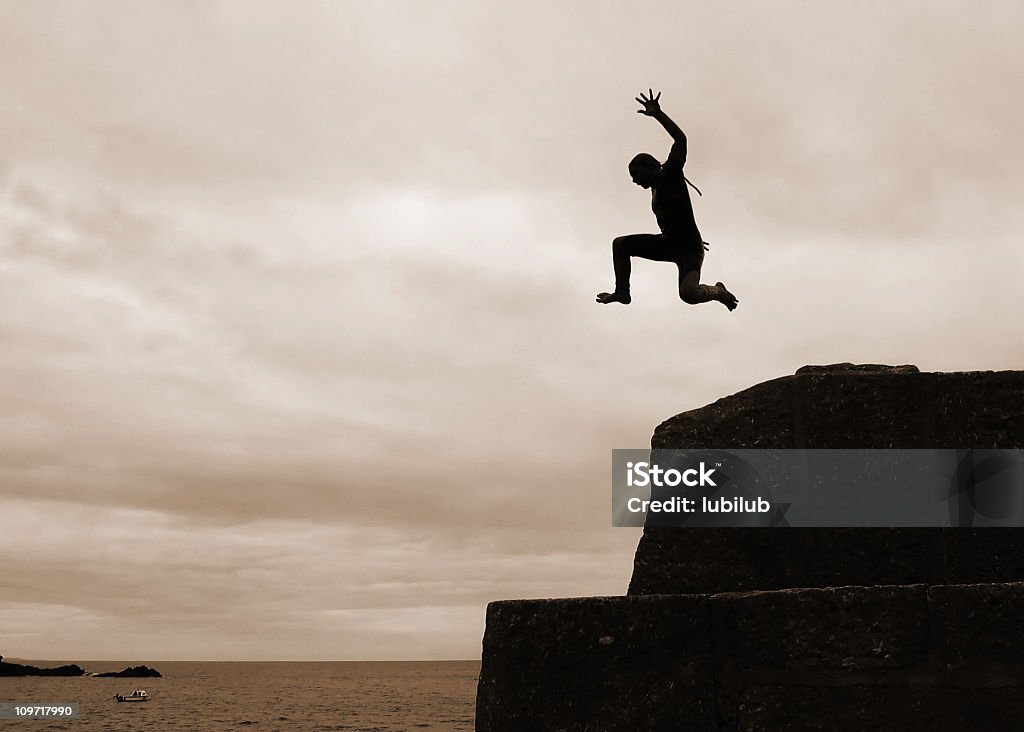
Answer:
(691, 291)
(694, 293)
(646, 246)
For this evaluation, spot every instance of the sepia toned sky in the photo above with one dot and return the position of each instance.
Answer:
(299, 357)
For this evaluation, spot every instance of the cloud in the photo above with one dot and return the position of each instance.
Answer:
(130, 570)
(298, 306)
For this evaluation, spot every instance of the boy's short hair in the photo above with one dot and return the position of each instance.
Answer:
(643, 160)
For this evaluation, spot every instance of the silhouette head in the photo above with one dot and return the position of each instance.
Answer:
(644, 169)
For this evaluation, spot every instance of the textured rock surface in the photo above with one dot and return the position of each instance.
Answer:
(614, 663)
(897, 708)
(841, 406)
(845, 658)
(846, 406)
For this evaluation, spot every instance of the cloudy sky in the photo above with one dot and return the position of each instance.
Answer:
(299, 357)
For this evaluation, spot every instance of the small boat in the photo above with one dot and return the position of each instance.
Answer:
(139, 695)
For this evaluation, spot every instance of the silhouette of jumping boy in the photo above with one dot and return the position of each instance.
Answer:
(679, 240)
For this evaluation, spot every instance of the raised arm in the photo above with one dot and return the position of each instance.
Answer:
(652, 108)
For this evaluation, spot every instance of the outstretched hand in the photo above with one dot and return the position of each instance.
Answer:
(649, 102)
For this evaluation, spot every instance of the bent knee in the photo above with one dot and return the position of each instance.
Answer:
(691, 296)
(620, 243)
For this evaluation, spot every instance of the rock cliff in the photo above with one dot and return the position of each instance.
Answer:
(791, 629)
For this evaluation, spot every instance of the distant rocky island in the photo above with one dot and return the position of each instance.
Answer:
(17, 669)
(134, 672)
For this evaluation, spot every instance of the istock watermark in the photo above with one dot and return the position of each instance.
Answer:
(641, 475)
(826, 488)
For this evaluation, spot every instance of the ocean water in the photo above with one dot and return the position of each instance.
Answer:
(382, 696)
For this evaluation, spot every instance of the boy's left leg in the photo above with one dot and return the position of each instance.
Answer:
(646, 246)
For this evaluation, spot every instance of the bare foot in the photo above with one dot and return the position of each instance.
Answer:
(607, 297)
(728, 299)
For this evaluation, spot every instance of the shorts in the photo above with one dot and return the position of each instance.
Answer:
(687, 255)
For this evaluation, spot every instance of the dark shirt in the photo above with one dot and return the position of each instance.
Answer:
(670, 201)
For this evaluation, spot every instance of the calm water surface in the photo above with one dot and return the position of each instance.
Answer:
(383, 696)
